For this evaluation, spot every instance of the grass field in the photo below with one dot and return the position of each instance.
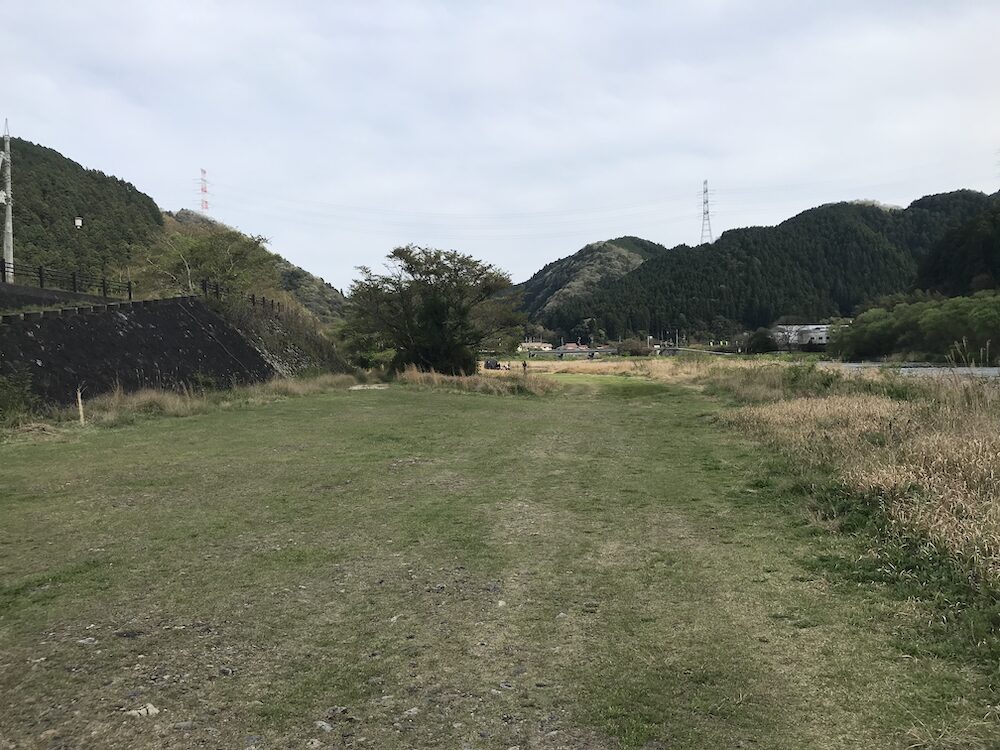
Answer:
(602, 566)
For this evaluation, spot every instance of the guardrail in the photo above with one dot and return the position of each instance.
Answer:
(214, 289)
(67, 281)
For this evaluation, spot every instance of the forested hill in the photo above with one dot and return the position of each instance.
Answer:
(967, 259)
(193, 247)
(51, 190)
(572, 279)
(822, 263)
(125, 235)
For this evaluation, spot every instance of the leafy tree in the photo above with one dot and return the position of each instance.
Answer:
(433, 307)
(761, 341)
(230, 258)
(588, 333)
(635, 348)
(926, 327)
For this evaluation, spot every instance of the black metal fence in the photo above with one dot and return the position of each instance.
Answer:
(214, 289)
(67, 281)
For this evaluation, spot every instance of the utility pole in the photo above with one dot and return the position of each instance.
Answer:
(8, 201)
(706, 221)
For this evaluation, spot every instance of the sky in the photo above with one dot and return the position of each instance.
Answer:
(516, 132)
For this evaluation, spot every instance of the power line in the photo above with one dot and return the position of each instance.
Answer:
(308, 215)
(567, 214)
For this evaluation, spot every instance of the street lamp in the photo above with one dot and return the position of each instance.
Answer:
(78, 223)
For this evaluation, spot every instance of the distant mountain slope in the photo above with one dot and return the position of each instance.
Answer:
(967, 259)
(125, 235)
(567, 282)
(823, 262)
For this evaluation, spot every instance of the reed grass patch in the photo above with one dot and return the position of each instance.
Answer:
(495, 384)
(119, 407)
(928, 448)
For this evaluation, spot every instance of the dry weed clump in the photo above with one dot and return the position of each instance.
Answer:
(670, 369)
(301, 386)
(933, 460)
(946, 486)
(829, 430)
(119, 407)
(502, 384)
(586, 366)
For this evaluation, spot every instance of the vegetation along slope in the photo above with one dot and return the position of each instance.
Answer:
(572, 279)
(821, 263)
(125, 236)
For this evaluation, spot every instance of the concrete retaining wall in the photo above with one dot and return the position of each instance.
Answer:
(157, 343)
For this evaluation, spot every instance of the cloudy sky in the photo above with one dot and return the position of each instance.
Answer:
(514, 131)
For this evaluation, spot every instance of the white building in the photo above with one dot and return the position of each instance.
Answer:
(801, 336)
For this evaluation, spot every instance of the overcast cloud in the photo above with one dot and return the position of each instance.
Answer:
(514, 131)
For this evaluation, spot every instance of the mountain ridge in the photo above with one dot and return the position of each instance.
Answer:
(822, 262)
(125, 235)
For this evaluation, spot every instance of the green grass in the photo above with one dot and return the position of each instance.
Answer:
(249, 569)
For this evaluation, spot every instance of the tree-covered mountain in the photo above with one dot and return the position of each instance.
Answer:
(819, 264)
(967, 259)
(126, 236)
(50, 191)
(571, 280)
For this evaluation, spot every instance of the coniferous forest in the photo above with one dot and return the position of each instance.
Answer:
(50, 191)
(823, 263)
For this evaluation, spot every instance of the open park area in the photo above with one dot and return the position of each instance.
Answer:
(609, 564)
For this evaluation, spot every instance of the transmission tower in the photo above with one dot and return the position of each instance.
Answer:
(204, 191)
(7, 199)
(706, 220)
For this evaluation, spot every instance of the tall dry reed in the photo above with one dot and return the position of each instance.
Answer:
(118, 407)
(501, 383)
(927, 448)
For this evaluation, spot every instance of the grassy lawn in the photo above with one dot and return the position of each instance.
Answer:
(602, 567)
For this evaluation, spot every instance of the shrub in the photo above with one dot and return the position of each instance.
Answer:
(761, 341)
(16, 398)
(635, 348)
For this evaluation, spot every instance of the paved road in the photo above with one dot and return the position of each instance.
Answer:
(919, 369)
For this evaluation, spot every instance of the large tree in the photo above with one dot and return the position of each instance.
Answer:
(433, 307)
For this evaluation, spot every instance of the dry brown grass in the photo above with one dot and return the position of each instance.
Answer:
(933, 458)
(682, 370)
(585, 366)
(495, 383)
(301, 386)
(119, 407)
